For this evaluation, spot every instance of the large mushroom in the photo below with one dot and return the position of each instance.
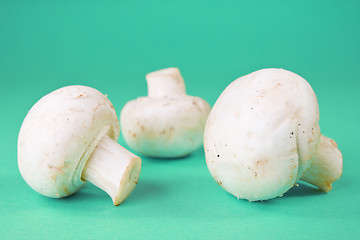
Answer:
(70, 137)
(263, 135)
(167, 123)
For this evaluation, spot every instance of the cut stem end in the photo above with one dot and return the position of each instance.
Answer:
(113, 169)
(327, 165)
(165, 83)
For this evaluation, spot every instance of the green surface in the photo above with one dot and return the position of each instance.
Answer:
(111, 45)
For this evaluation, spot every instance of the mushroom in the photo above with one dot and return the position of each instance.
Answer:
(70, 137)
(263, 135)
(167, 123)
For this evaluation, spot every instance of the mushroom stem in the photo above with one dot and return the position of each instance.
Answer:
(113, 169)
(327, 165)
(165, 83)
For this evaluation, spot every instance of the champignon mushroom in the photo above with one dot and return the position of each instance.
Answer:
(263, 135)
(68, 138)
(167, 123)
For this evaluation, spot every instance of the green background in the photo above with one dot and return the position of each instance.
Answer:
(111, 45)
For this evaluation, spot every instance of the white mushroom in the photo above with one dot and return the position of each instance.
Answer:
(263, 135)
(69, 137)
(166, 123)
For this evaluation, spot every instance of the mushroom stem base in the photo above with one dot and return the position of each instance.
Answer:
(327, 165)
(113, 169)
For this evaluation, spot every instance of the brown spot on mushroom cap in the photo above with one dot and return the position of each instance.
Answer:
(333, 143)
(58, 169)
(75, 109)
(293, 167)
(262, 161)
(196, 104)
(53, 177)
(82, 95)
(316, 145)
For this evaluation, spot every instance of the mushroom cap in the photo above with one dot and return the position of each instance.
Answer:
(262, 134)
(166, 126)
(58, 135)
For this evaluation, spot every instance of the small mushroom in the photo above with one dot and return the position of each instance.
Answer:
(263, 135)
(70, 137)
(167, 123)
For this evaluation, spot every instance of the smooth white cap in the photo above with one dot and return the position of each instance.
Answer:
(57, 136)
(262, 134)
(168, 123)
